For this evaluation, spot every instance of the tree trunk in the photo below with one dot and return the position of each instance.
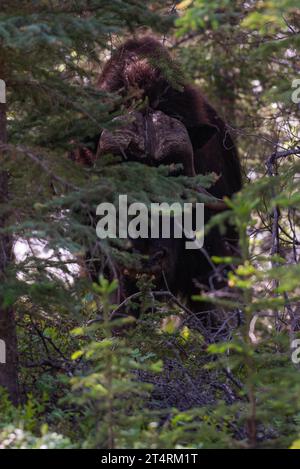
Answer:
(8, 336)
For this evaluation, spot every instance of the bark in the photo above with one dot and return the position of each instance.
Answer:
(9, 369)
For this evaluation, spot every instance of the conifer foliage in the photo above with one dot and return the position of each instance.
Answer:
(168, 378)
